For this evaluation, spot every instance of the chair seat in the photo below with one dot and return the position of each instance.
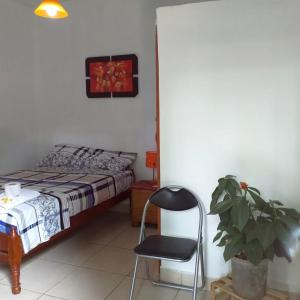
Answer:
(166, 247)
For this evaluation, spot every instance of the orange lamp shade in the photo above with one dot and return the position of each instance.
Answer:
(151, 158)
(51, 9)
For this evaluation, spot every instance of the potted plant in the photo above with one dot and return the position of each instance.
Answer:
(252, 231)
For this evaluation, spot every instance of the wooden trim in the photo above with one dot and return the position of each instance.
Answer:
(157, 126)
(157, 110)
(224, 286)
(157, 137)
(11, 249)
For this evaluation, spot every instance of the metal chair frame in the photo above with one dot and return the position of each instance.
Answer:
(199, 255)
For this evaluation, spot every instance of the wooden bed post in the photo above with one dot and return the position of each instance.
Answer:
(15, 254)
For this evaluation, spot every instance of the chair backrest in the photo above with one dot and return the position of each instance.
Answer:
(174, 198)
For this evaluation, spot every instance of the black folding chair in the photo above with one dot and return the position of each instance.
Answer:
(172, 198)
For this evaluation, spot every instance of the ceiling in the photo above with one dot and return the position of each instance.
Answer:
(32, 3)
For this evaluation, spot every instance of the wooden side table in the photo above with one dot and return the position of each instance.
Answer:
(140, 193)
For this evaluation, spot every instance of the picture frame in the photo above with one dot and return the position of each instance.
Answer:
(112, 76)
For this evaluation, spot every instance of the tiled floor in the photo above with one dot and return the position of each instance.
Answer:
(94, 264)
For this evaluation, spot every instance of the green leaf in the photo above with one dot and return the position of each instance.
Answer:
(217, 192)
(240, 214)
(291, 212)
(233, 248)
(254, 252)
(218, 236)
(285, 236)
(230, 176)
(260, 202)
(254, 189)
(234, 183)
(276, 202)
(282, 251)
(290, 222)
(249, 231)
(233, 231)
(269, 253)
(230, 187)
(224, 240)
(252, 235)
(224, 219)
(266, 234)
(221, 207)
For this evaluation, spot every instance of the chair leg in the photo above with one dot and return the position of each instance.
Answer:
(196, 275)
(202, 267)
(133, 278)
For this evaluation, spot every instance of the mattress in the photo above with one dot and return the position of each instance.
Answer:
(64, 193)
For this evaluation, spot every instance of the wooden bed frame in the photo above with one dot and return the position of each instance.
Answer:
(11, 249)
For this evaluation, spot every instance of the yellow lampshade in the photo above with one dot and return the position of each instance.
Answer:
(51, 9)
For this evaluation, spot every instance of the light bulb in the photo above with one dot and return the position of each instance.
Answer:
(51, 10)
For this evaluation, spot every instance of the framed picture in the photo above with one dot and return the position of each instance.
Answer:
(112, 76)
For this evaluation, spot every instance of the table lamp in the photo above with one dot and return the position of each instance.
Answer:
(151, 161)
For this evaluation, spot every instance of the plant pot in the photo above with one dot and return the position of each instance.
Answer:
(249, 281)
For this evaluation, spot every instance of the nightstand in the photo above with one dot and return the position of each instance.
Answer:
(140, 193)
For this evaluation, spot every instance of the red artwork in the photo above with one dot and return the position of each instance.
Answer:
(112, 76)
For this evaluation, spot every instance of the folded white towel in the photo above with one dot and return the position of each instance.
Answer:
(8, 203)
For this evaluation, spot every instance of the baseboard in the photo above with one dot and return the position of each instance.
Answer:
(185, 278)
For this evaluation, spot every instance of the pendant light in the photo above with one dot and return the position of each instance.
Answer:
(51, 9)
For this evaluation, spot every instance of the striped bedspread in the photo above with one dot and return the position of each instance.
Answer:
(64, 193)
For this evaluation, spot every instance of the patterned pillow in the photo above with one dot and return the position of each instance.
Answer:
(65, 156)
(108, 161)
(79, 157)
(126, 155)
(129, 155)
(54, 159)
(97, 161)
(79, 152)
(118, 163)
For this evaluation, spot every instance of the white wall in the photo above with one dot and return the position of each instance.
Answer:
(17, 140)
(230, 102)
(42, 88)
(65, 114)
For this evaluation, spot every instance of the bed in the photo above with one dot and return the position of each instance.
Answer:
(73, 189)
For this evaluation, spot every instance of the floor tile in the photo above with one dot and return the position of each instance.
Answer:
(112, 218)
(128, 239)
(46, 297)
(100, 234)
(73, 251)
(122, 207)
(86, 284)
(5, 271)
(6, 294)
(294, 296)
(142, 270)
(149, 292)
(201, 295)
(144, 290)
(123, 290)
(113, 260)
(41, 275)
